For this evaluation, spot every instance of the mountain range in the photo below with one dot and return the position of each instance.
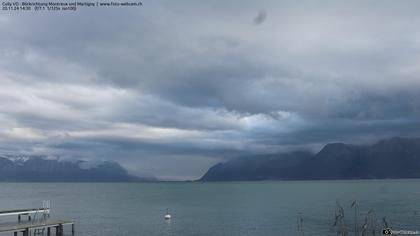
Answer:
(42, 169)
(390, 158)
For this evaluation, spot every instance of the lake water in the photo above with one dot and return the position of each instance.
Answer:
(233, 208)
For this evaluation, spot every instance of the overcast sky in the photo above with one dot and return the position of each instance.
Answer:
(172, 87)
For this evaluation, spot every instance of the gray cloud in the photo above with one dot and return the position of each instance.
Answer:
(170, 88)
(260, 18)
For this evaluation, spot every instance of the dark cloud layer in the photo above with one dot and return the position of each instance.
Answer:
(171, 88)
(260, 18)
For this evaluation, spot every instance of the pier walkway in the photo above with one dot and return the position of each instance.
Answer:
(27, 212)
(38, 227)
(38, 223)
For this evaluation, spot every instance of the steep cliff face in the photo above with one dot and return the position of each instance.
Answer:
(262, 167)
(391, 158)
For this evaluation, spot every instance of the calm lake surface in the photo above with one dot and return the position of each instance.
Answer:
(233, 208)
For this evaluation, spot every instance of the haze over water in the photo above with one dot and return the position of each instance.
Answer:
(216, 209)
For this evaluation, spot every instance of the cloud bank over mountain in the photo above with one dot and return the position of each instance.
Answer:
(170, 88)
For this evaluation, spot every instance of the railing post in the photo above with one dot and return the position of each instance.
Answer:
(61, 230)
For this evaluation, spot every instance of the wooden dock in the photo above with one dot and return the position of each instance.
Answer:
(27, 212)
(41, 227)
(38, 222)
